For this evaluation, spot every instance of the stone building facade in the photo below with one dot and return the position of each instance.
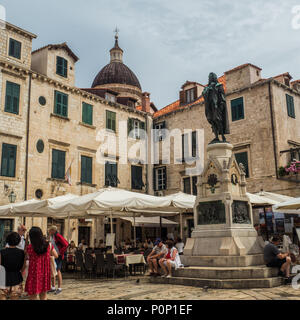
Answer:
(49, 126)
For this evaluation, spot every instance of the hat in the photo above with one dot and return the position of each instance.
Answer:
(157, 241)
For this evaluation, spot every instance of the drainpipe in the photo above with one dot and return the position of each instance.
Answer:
(147, 153)
(273, 129)
(27, 142)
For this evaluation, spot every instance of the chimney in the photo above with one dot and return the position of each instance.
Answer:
(146, 102)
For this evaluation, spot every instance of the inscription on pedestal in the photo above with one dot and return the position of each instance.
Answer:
(212, 212)
(240, 212)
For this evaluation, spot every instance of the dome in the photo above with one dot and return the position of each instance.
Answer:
(116, 72)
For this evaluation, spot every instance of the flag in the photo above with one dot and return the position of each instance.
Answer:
(68, 174)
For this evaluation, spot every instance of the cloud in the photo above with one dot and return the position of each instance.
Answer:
(167, 42)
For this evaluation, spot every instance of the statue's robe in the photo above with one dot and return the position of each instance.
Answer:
(215, 107)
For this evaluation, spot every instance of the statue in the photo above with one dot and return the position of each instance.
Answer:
(215, 108)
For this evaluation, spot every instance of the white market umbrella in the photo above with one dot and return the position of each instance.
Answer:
(288, 205)
(182, 200)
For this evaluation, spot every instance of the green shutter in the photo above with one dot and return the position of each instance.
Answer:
(61, 104)
(194, 143)
(242, 157)
(8, 161)
(12, 97)
(110, 120)
(290, 106)
(15, 48)
(107, 173)
(61, 67)
(237, 109)
(194, 183)
(154, 179)
(58, 164)
(86, 169)
(87, 113)
(142, 127)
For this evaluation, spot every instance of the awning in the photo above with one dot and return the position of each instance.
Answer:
(151, 222)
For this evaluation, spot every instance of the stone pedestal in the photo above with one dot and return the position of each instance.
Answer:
(223, 213)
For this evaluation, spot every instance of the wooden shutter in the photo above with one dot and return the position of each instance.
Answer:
(107, 173)
(194, 184)
(83, 169)
(182, 96)
(54, 173)
(130, 126)
(154, 179)
(8, 161)
(142, 129)
(17, 49)
(113, 121)
(65, 68)
(61, 164)
(64, 105)
(14, 48)
(12, 97)
(194, 143)
(16, 98)
(165, 171)
(237, 109)
(195, 93)
(89, 169)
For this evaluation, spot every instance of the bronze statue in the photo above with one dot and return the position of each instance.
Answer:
(215, 108)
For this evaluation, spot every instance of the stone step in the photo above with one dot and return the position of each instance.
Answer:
(252, 272)
(223, 261)
(221, 283)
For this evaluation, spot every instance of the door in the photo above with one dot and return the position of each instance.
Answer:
(84, 233)
(6, 227)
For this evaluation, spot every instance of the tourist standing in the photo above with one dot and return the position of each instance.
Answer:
(13, 260)
(60, 244)
(38, 281)
(82, 245)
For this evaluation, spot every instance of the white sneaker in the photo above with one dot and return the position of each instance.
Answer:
(169, 276)
(163, 276)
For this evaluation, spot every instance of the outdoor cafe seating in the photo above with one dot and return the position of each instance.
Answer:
(99, 263)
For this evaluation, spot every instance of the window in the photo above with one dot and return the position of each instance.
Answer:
(12, 97)
(187, 185)
(131, 104)
(61, 104)
(189, 95)
(160, 179)
(111, 174)
(111, 120)
(159, 133)
(237, 109)
(185, 146)
(8, 160)
(110, 97)
(194, 184)
(290, 106)
(61, 67)
(242, 157)
(58, 164)
(86, 169)
(137, 177)
(87, 113)
(194, 144)
(135, 128)
(14, 48)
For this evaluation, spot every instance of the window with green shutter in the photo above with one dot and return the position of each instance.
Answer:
(62, 67)
(194, 143)
(111, 120)
(87, 113)
(12, 97)
(14, 48)
(137, 177)
(290, 106)
(111, 174)
(86, 169)
(194, 185)
(242, 157)
(8, 160)
(61, 104)
(58, 164)
(237, 109)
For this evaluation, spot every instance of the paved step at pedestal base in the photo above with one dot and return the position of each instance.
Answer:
(221, 283)
(252, 272)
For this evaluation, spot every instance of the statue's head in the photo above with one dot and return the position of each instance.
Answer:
(212, 78)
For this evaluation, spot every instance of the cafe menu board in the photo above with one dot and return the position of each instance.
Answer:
(110, 239)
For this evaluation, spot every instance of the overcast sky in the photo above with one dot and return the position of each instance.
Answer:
(166, 42)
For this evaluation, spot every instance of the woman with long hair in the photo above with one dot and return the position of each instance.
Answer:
(38, 281)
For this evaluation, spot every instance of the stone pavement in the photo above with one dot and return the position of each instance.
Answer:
(129, 289)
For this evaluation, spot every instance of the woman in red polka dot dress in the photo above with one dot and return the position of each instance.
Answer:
(38, 281)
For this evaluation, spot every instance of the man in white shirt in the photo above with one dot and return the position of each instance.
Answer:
(21, 231)
(153, 258)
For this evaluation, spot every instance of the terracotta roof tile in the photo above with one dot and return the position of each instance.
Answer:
(242, 66)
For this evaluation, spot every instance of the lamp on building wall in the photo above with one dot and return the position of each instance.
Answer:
(12, 197)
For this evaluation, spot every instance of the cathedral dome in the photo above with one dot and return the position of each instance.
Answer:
(116, 72)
